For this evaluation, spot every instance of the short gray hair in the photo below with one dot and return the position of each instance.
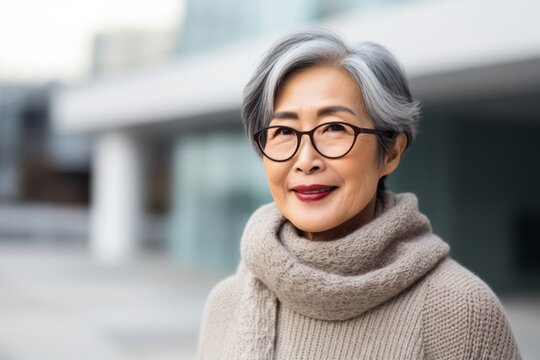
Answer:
(379, 76)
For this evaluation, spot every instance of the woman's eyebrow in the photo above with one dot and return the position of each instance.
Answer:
(334, 109)
(285, 115)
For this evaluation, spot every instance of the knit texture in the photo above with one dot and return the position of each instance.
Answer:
(386, 291)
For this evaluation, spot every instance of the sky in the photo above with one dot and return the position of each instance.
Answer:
(46, 40)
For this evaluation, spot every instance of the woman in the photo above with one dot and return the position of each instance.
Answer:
(337, 267)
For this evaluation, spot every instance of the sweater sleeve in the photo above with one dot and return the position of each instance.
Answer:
(463, 319)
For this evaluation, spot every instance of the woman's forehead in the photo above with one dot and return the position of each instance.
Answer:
(321, 90)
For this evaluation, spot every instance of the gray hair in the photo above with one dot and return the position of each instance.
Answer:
(379, 76)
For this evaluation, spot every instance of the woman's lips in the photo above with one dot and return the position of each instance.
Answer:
(312, 192)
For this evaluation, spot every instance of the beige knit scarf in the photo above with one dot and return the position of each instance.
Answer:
(332, 280)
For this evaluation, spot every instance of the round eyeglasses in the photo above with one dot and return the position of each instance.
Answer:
(332, 140)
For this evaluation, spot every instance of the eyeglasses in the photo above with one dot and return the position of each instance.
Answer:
(332, 140)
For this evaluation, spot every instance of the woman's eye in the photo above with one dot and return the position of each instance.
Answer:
(283, 131)
(335, 127)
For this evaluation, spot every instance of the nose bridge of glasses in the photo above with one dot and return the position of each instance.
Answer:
(311, 141)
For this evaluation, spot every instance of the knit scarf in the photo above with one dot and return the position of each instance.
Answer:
(328, 280)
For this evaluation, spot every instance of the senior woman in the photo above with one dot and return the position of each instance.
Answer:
(337, 267)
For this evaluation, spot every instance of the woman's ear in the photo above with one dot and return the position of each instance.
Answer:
(391, 160)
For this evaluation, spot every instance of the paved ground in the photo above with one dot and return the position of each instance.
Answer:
(56, 304)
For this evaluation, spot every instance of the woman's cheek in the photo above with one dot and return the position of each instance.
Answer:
(276, 174)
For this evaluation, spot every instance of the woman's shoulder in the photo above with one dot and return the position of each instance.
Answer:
(223, 299)
(220, 311)
(463, 318)
(451, 276)
(225, 291)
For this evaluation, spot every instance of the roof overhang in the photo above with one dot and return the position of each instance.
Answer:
(449, 48)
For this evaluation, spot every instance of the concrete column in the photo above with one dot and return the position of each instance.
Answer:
(116, 210)
(10, 142)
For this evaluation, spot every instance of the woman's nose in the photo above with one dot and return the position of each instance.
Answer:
(308, 160)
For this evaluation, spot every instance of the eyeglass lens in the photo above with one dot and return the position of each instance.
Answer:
(331, 140)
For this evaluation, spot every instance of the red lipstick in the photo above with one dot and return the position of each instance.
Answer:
(312, 192)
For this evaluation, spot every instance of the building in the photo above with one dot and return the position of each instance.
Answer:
(474, 64)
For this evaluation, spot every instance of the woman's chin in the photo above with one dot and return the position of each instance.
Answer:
(312, 220)
(312, 227)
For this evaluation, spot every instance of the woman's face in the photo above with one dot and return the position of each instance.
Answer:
(351, 181)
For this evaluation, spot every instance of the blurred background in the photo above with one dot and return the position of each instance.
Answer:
(126, 178)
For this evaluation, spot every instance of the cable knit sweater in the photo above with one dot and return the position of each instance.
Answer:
(386, 291)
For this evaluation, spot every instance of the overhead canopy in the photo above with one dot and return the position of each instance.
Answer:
(449, 48)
